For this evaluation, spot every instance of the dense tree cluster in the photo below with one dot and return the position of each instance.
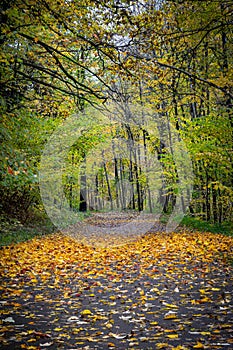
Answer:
(172, 58)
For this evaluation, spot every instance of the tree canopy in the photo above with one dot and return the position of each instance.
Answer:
(173, 57)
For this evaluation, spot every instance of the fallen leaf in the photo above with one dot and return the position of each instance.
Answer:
(46, 345)
(8, 320)
(86, 312)
(199, 346)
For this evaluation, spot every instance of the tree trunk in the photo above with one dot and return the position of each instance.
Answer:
(83, 188)
(108, 184)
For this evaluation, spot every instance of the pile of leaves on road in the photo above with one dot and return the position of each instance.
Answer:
(164, 291)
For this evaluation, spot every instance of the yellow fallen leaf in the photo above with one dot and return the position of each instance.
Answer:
(206, 300)
(172, 306)
(198, 346)
(172, 336)
(202, 291)
(90, 339)
(86, 312)
(34, 280)
(170, 316)
(108, 325)
(162, 345)
(111, 345)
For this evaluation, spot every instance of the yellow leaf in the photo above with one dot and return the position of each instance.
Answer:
(170, 316)
(91, 339)
(202, 291)
(86, 312)
(162, 345)
(172, 306)
(206, 300)
(198, 346)
(111, 345)
(108, 325)
(173, 336)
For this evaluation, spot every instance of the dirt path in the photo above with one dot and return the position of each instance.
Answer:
(161, 292)
(114, 228)
(114, 219)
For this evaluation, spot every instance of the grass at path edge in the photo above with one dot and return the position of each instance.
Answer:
(13, 231)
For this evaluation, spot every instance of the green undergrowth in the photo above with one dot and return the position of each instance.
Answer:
(225, 228)
(36, 223)
(14, 230)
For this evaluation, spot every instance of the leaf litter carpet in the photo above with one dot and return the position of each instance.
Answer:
(163, 291)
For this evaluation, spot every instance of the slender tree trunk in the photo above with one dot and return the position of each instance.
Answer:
(215, 208)
(132, 197)
(107, 181)
(116, 182)
(145, 134)
(83, 188)
(97, 199)
(116, 175)
(138, 188)
(220, 208)
(207, 197)
(122, 197)
(71, 183)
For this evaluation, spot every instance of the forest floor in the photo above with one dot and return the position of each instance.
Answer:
(160, 291)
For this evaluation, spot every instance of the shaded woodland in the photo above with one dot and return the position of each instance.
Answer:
(172, 58)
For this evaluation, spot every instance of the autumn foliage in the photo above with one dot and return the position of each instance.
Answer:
(164, 291)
